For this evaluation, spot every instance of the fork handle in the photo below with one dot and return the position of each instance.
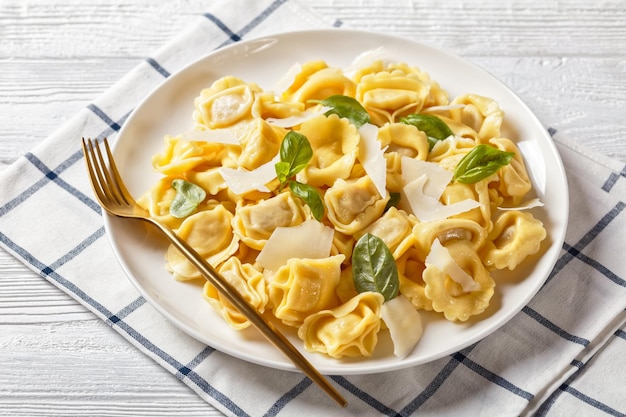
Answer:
(265, 327)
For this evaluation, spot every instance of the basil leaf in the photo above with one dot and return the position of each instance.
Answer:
(373, 267)
(480, 163)
(187, 198)
(295, 153)
(282, 171)
(435, 128)
(348, 107)
(310, 196)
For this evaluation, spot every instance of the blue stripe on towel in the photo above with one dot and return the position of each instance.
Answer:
(365, 397)
(490, 376)
(291, 394)
(154, 64)
(554, 328)
(598, 228)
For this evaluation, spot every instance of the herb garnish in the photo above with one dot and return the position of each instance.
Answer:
(480, 163)
(374, 268)
(348, 107)
(188, 197)
(435, 128)
(295, 153)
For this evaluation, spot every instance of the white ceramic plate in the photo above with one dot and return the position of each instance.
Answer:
(168, 110)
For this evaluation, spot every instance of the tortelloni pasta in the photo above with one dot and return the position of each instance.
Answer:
(345, 331)
(390, 162)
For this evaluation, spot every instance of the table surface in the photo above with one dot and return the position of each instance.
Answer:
(565, 59)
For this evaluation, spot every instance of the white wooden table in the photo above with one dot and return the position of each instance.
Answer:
(567, 60)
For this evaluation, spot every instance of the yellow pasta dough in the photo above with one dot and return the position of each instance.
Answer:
(303, 287)
(209, 232)
(248, 282)
(515, 236)
(345, 331)
(448, 296)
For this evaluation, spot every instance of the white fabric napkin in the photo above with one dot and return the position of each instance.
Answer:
(564, 354)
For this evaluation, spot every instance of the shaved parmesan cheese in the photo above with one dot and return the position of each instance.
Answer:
(438, 177)
(442, 108)
(366, 59)
(372, 157)
(424, 185)
(310, 240)
(241, 181)
(440, 258)
(297, 120)
(286, 80)
(404, 324)
(225, 136)
(535, 202)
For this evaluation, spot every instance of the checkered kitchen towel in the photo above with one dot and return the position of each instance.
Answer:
(564, 354)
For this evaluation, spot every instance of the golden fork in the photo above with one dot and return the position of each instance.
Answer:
(116, 200)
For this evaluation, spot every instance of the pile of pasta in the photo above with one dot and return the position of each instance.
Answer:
(266, 242)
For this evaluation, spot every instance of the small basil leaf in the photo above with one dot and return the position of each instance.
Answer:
(295, 153)
(310, 196)
(187, 198)
(435, 128)
(373, 267)
(348, 107)
(480, 163)
(282, 171)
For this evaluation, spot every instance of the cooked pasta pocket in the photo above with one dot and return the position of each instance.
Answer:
(346, 203)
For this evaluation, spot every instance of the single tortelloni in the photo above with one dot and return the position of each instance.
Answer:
(335, 147)
(515, 236)
(401, 140)
(412, 286)
(395, 228)
(267, 106)
(210, 233)
(389, 93)
(228, 101)
(179, 156)
(354, 204)
(482, 114)
(249, 283)
(404, 139)
(157, 201)
(447, 230)
(449, 152)
(349, 330)
(448, 297)
(456, 192)
(260, 142)
(209, 179)
(254, 223)
(303, 287)
(513, 183)
(317, 81)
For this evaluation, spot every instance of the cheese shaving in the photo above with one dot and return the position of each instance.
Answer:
(440, 258)
(425, 182)
(292, 121)
(241, 181)
(309, 240)
(535, 202)
(404, 323)
(372, 157)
